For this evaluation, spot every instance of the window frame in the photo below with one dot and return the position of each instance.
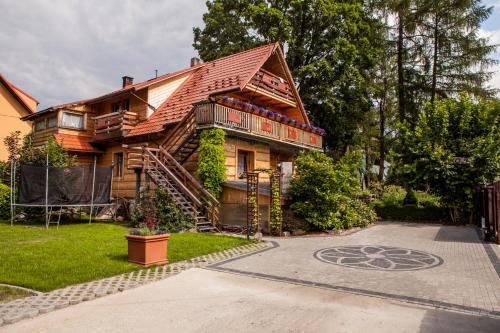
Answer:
(249, 166)
(73, 114)
(55, 118)
(43, 121)
(118, 162)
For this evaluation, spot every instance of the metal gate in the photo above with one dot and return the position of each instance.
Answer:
(487, 210)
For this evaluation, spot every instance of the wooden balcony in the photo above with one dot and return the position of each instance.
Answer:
(255, 126)
(113, 125)
(269, 84)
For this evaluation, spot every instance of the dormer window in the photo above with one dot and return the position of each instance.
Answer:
(121, 106)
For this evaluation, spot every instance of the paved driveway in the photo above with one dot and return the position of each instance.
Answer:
(317, 284)
(200, 300)
(443, 266)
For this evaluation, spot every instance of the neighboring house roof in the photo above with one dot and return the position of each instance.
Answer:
(76, 143)
(19, 94)
(221, 75)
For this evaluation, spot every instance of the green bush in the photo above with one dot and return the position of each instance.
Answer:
(170, 217)
(428, 200)
(211, 161)
(324, 192)
(4, 201)
(410, 198)
(391, 205)
(393, 195)
(411, 212)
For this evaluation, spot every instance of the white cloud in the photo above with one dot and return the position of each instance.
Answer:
(66, 50)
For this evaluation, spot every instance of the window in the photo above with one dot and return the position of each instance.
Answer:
(72, 120)
(118, 160)
(120, 106)
(52, 122)
(40, 125)
(245, 163)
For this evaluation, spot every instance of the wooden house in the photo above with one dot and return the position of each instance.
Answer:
(150, 130)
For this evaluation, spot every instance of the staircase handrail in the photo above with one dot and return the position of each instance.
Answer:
(180, 129)
(184, 189)
(187, 176)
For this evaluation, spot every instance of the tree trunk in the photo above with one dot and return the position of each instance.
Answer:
(382, 115)
(401, 92)
(434, 60)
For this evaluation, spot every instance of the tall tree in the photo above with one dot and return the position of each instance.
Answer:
(455, 58)
(330, 48)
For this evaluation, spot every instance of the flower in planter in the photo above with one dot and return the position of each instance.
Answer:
(284, 119)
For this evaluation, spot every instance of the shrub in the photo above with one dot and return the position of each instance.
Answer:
(411, 212)
(428, 200)
(4, 201)
(211, 161)
(410, 198)
(324, 192)
(391, 205)
(171, 217)
(163, 209)
(393, 195)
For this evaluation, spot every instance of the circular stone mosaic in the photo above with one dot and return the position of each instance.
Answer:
(378, 257)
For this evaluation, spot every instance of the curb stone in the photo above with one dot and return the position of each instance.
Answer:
(41, 303)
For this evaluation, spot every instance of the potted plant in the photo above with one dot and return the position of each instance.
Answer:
(147, 243)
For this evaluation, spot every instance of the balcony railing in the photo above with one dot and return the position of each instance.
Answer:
(272, 83)
(211, 114)
(113, 125)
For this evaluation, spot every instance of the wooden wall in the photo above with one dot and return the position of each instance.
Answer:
(261, 155)
(122, 186)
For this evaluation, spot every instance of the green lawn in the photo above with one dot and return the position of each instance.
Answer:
(33, 257)
(8, 294)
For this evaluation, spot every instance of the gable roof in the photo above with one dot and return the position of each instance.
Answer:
(19, 94)
(229, 73)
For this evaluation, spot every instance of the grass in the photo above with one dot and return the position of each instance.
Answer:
(40, 259)
(8, 294)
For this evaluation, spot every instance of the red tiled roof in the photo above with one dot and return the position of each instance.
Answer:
(224, 74)
(14, 90)
(76, 143)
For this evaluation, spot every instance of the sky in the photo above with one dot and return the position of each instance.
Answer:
(65, 50)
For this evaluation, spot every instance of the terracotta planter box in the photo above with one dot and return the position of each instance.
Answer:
(147, 250)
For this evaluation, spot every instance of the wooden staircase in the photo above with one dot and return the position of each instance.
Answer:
(184, 139)
(164, 166)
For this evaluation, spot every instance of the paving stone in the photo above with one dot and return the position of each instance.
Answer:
(428, 263)
(32, 306)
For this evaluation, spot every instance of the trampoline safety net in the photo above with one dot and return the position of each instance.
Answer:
(66, 186)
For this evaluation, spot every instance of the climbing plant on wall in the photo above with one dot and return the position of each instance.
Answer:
(211, 161)
(276, 214)
(276, 221)
(252, 202)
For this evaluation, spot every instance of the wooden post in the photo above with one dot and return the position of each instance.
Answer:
(92, 194)
(47, 193)
(138, 173)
